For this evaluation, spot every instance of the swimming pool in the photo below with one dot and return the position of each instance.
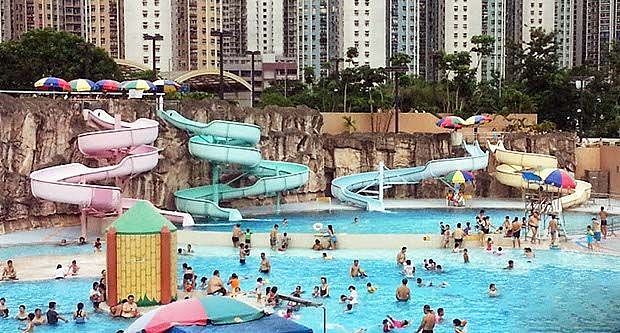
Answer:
(67, 293)
(14, 251)
(415, 221)
(558, 292)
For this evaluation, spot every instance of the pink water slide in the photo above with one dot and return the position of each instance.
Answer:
(129, 144)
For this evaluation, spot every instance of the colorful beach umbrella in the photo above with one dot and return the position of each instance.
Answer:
(82, 85)
(167, 86)
(460, 177)
(216, 310)
(143, 85)
(477, 120)
(530, 176)
(52, 84)
(451, 122)
(108, 85)
(558, 178)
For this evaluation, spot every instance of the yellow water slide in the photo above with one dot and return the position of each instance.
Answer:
(508, 172)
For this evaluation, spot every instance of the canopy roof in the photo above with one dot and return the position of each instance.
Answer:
(142, 218)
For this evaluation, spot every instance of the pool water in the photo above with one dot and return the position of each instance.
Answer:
(416, 221)
(67, 293)
(37, 250)
(557, 292)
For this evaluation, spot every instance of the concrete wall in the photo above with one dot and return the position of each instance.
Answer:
(610, 160)
(333, 122)
(588, 159)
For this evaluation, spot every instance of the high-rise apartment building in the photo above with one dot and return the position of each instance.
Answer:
(364, 27)
(24, 15)
(432, 35)
(148, 17)
(597, 25)
(537, 14)
(319, 34)
(104, 25)
(463, 20)
(265, 21)
(404, 31)
(564, 31)
(494, 24)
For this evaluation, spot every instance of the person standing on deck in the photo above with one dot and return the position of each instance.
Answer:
(602, 215)
(273, 237)
(553, 229)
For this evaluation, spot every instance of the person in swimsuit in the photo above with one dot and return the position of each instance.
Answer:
(460, 326)
(8, 273)
(235, 284)
(408, 269)
(248, 238)
(493, 291)
(403, 293)
(356, 270)
(596, 227)
(446, 237)
(53, 316)
(242, 254)
(516, 233)
(273, 237)
(236, 234)
(39, 318)
(590, 237)
(401, 257)
(130, 308)
(29, 324)
(73, 269)
(332, 237)
(553, 229)
(4, 311)
(428, 321)
(97, 245)
(602, 215)
(265, 265)
(465, 256)
(80, 315)
(258, 289)
(21, 313)
(533, 224)
(324, 288)
(397, 323)
(215, 284)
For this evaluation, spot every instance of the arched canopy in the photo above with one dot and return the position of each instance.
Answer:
(209, 80)
(129, 67)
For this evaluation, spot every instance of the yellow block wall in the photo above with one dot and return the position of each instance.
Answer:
(138, 266)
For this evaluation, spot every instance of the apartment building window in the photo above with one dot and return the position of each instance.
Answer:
(356, 12)
(464, 25)
(464, 8)
(145, 25)
(539, 21)
(456, 44)
(464, 17)
(157, 25)
(456, 8)
(456, 17)
(367, 54)
(366, 23)
(144, 3)
(456, 35)
(464, 44)
(464, 35)
(367, 43)
(356, 23)
(157, 13)
(367, 33)
(456, 26)
(145, 13)
(367, 12)
(145, 47)
(145, 60)
(540, 5)
(367, 2)
(356, 44)
(356, 33)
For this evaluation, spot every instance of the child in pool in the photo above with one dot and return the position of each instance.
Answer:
(370, 288)
(460, 326)
(493, 291)
(397, 323)
(590, 238)
(348, 309)
(489, 245)
(465, 256)
(316, 292)
(499, 251)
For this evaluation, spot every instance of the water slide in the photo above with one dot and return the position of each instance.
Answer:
(352, 188)
(129, 142)
(224, 143)
(513, 162)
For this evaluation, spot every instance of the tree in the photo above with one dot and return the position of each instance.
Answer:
(483, 46)
(400, 59)
(352, 53)
(458, 67)
(46, 52)
(140, 75)
(309, 75)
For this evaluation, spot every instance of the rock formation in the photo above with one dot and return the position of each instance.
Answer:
(40, 132)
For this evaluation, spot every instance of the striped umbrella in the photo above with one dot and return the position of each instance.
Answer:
(460, 177)
(52, 84)
(558, 178)
(108, 86)
(143, 85)
(477, 120)
(82, 85)
(167, 86)
(450, 122)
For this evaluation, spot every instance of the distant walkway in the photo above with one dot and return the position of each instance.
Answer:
(41, 236)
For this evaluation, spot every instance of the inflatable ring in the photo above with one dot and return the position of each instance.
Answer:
(317, 226)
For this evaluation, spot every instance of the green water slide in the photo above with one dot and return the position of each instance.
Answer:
(225, 143)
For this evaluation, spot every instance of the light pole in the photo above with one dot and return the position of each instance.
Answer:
(221, 34)
(252, 54)
(153, 38)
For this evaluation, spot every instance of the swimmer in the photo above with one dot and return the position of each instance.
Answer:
(439, 269)
(511, 265)
(528, 252)
(439, 316)
(432, 265)
(289, 312)
(353, 297)
(397, 323)
(419, 282)
(327, 257)
(408, 269)
(426, 264)
(498, 252)
(460, 326)
(403, 293)
(443, 284)
(386, 326)
(63, 242)
(348, 309)
(489, 247)
(343, 298)
(493, 291)
(29, 324)
(356, 270)
(316, 292)
(370, 288)
(356, 220)
(4, 310)
(401, 257)
(465, 256)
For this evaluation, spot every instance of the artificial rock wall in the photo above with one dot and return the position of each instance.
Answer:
(40, 132)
